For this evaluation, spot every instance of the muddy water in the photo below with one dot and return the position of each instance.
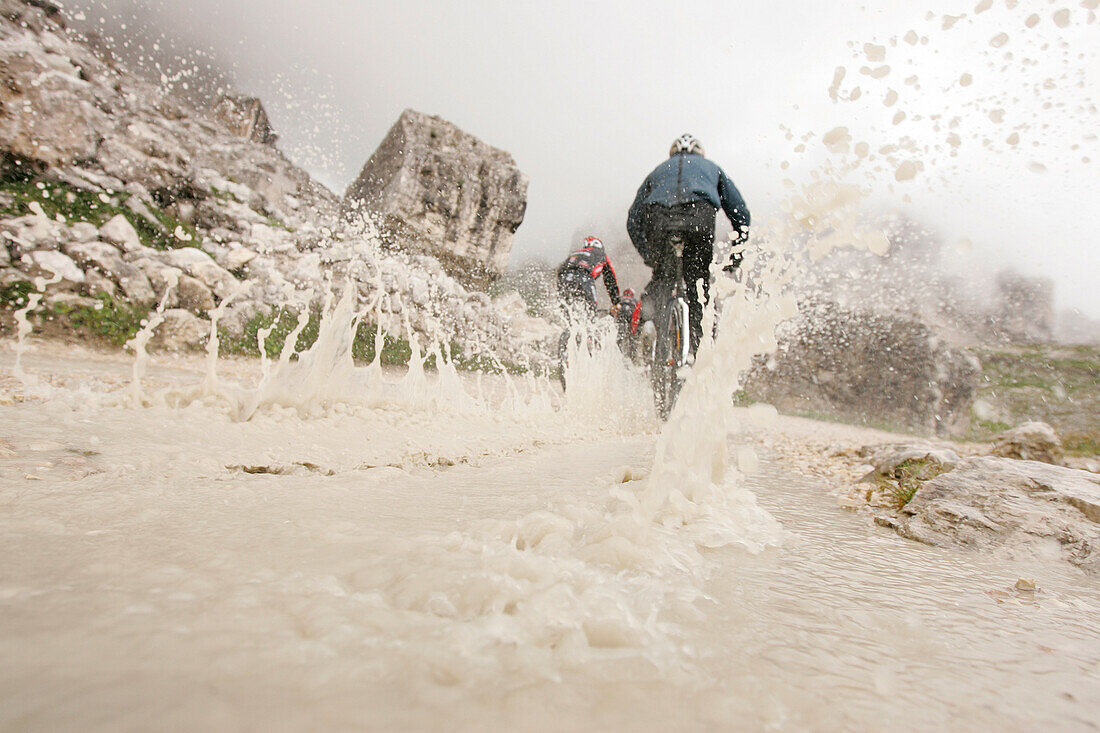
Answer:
(386, 569)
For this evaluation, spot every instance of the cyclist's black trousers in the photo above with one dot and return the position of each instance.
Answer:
(694, 223)
(577, 290)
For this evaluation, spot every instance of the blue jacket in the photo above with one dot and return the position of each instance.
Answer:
(683, 179)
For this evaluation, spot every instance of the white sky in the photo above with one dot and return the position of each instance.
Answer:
(587, 97)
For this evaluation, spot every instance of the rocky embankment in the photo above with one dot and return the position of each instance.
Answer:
(1013, 495)
(876, 368)
(112, 186)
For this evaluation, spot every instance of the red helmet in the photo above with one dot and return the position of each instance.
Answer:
(593, 242)
(628, 293)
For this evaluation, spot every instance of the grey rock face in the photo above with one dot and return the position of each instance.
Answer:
(193, 295)
(990, 501)
(58, 264)
(887, 458)
(246, 117)
(1030, 441)
(108, 260)
(181, 330)
(120, 232)
(443, 191)
(867, 367)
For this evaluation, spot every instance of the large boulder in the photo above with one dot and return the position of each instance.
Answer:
(440, 190)
(181, 330)
(57, 263)
(245, 117)
(867, 367)
(1030, 441)
(108, 260)
(998, 502)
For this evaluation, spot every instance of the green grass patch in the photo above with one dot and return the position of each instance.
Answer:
(224, 195)
(112, 322)
(907, 478)
(1058, 385)
(14, 295)
(396, 350)
(76, 204)
(1081, 444)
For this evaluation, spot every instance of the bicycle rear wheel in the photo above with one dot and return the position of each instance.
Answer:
(670, 353)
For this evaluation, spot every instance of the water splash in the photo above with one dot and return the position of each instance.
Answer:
(24, 328)
(141, 339)
(210, 383)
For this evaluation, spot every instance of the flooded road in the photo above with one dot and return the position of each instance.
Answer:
(384, 568)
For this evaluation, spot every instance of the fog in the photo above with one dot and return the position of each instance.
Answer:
(588, 96)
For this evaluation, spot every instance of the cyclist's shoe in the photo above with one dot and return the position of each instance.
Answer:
(734, 262)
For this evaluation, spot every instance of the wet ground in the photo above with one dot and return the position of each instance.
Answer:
(390, 568)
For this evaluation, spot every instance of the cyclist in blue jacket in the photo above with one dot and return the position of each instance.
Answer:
(682, 197)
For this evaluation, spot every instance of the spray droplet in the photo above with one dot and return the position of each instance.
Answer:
(838, 77)
(997, 115)
(911, 38)
(966, 80)
(907, 171)
(1032, 20)
(837, 140)
(998, 40)
(983, 6)
(891, 98)
(1061, 18)
(951, 20)
(874, 52)
(1036, 167)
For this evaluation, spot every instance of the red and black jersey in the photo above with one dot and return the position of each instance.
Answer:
(593, 260)
(630, 310)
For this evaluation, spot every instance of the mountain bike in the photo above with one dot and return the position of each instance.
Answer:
(670, 347)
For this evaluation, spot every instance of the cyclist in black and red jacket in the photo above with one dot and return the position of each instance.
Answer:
(577, 277)
(629, 322)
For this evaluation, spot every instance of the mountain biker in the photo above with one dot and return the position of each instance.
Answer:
(577, 277)
(681, 197)
(629, 322)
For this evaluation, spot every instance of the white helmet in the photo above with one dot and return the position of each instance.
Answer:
(593, 242)
(686, 144)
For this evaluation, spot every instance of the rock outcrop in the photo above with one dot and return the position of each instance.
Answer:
(442, 191)
(863, 366)
(997, 502)
(1030, 441)
(246, 117)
